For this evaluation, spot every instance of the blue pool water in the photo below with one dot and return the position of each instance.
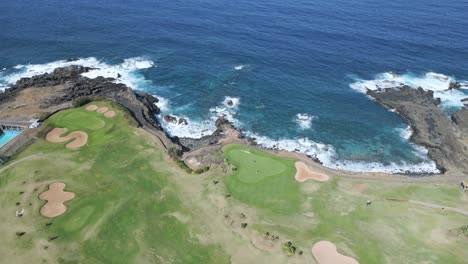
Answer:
(296, 69)
(7, 137)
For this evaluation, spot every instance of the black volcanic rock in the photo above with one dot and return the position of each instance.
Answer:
(182, 121)
(432, 128)
(170, 119)
(454, 85)
(141, 106)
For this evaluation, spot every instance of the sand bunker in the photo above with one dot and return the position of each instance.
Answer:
(325, 253)
(102, 110)
(109, 114)
(304, 173)
(80, 138)
(55, 198)
(91, 107)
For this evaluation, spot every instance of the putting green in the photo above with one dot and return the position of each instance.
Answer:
(123, 204)
(80, 118)
(262, 180)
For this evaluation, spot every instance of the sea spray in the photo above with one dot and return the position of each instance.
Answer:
(440, 84)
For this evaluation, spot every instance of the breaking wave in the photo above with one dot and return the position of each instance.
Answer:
(304, 120)
(125, 72)
(129, 73)
(194, 128)
(436, 82)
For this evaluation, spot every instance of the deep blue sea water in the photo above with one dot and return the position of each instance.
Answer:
(278, 58)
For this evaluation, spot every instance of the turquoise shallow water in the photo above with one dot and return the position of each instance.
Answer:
(7, 136)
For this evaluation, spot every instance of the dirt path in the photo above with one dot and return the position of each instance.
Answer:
(35, 156)
(431, 205)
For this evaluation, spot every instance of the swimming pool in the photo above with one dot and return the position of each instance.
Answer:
(7, 136)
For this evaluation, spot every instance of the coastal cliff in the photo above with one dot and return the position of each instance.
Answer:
(443, 136)
(42, 95)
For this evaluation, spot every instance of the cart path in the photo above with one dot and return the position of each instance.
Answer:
(431, 205)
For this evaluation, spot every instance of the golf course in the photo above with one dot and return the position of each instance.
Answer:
(117, 197)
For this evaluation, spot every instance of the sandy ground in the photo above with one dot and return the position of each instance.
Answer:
(29, 103)
(80, 138)
(92, 107)
(304, 173)
(325, 253)
(55, 198)
(109, 114)
(102, 110)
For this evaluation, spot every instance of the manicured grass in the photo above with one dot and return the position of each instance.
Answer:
(263, 180)
(385, 232)
(131, 206)
(121, 212)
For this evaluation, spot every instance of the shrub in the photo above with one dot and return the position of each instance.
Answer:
(80, 101)
(174, 153)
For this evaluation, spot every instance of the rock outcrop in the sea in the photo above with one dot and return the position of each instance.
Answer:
(225, 132)
(175, 120)
(170, 119)
(444, 137)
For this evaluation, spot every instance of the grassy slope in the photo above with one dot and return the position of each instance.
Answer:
(385, 232)
(123, 205)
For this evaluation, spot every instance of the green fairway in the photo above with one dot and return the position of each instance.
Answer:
(135, 205)
(386, 232)
(263, 180)
(123, 204)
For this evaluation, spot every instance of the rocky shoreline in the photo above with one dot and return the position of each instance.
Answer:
(444, 137)
(42, 95)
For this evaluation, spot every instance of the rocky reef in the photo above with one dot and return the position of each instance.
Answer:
(443, 136)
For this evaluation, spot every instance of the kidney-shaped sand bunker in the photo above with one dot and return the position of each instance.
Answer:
(55, 198)
(80, 138)
(325, 253)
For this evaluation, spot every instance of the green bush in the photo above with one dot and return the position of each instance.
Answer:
(80, 101)
(174, 153)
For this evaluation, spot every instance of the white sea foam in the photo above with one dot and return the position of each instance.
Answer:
(327, 155)
(163, 103)
(198, 129)
(239, 67)
(405, 133)
(304, 120)
(125, 72)
(439, 83)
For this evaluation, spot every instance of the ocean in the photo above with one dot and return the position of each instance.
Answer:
(296, 71)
